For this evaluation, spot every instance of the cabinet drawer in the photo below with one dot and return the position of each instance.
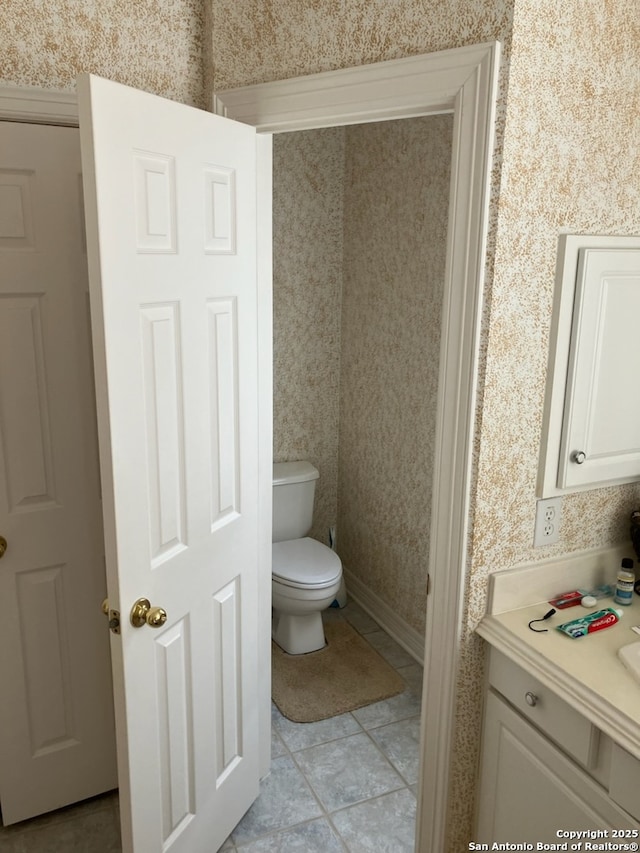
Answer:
(624, 782)
(573, 733)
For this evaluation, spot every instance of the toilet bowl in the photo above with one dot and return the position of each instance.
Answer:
(306, 575)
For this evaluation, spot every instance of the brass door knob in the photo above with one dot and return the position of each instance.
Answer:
(156, 617)
(3, 546)
(142, 613)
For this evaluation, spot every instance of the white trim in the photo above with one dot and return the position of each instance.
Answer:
(462, 81)
(400, 88)
(412, 641)
(38, 106)
(265, 431)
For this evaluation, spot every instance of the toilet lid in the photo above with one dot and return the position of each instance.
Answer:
(305, 563)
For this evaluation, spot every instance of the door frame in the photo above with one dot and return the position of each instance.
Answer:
(464, 82)
(47, 106)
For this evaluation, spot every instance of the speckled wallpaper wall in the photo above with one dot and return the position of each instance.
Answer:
(155, 45)
(395, 218)
(308, 191)
(259, 40)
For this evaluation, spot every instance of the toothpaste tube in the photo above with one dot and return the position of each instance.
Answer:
(591, 622)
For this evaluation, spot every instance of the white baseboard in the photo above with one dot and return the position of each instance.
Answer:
(412, 641)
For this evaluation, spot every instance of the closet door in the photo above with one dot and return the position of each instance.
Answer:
(57, 742)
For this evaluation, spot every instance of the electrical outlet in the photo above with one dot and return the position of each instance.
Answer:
(548, 515)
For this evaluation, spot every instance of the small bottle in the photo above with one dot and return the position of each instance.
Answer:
(624, 585)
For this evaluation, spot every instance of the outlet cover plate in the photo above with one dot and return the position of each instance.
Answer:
(548, 516)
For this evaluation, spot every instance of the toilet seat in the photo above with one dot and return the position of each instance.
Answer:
(305, 564)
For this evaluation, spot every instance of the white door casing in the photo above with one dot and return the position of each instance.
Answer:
(170, 194)
(57, 741)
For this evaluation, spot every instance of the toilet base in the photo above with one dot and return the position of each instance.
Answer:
(298, 635)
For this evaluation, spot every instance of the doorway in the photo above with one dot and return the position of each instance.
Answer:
(462, 81)
(360, 227)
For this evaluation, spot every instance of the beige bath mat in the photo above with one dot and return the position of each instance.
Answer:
(347, 674)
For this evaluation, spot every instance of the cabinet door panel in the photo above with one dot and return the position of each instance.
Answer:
(602, 408)
(529, 790)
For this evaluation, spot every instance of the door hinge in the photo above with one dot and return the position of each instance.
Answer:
(428, 584)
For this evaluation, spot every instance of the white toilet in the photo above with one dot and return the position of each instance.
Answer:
(306, 574)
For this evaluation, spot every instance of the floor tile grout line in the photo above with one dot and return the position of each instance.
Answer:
(328, 813)
(321, 742)
(390, 722)
(388, 760)
(313, 790)
(324, 814)
(338, 833)
(403, 787)
(274, 832)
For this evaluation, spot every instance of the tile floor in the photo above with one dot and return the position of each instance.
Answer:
(344, 784)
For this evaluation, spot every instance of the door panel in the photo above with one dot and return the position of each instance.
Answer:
(57, 742)
(600, 441)
(223, 369)
(171, 227)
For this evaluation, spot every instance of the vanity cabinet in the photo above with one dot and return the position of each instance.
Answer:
(545, 767)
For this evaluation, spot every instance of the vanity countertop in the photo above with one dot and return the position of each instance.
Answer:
(585, 672)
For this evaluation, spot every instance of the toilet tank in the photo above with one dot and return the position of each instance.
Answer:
(294, 485)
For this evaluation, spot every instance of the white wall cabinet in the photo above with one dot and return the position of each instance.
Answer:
(592, 410)
(530, 785)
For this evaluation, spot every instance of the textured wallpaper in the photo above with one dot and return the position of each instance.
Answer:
(395, 221)
(259, 40)
(308, 189)
(155, 45)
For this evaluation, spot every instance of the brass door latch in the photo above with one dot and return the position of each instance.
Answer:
(113, 616)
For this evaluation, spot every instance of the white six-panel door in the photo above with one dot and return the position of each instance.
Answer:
(57, 740)
(171, 222)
